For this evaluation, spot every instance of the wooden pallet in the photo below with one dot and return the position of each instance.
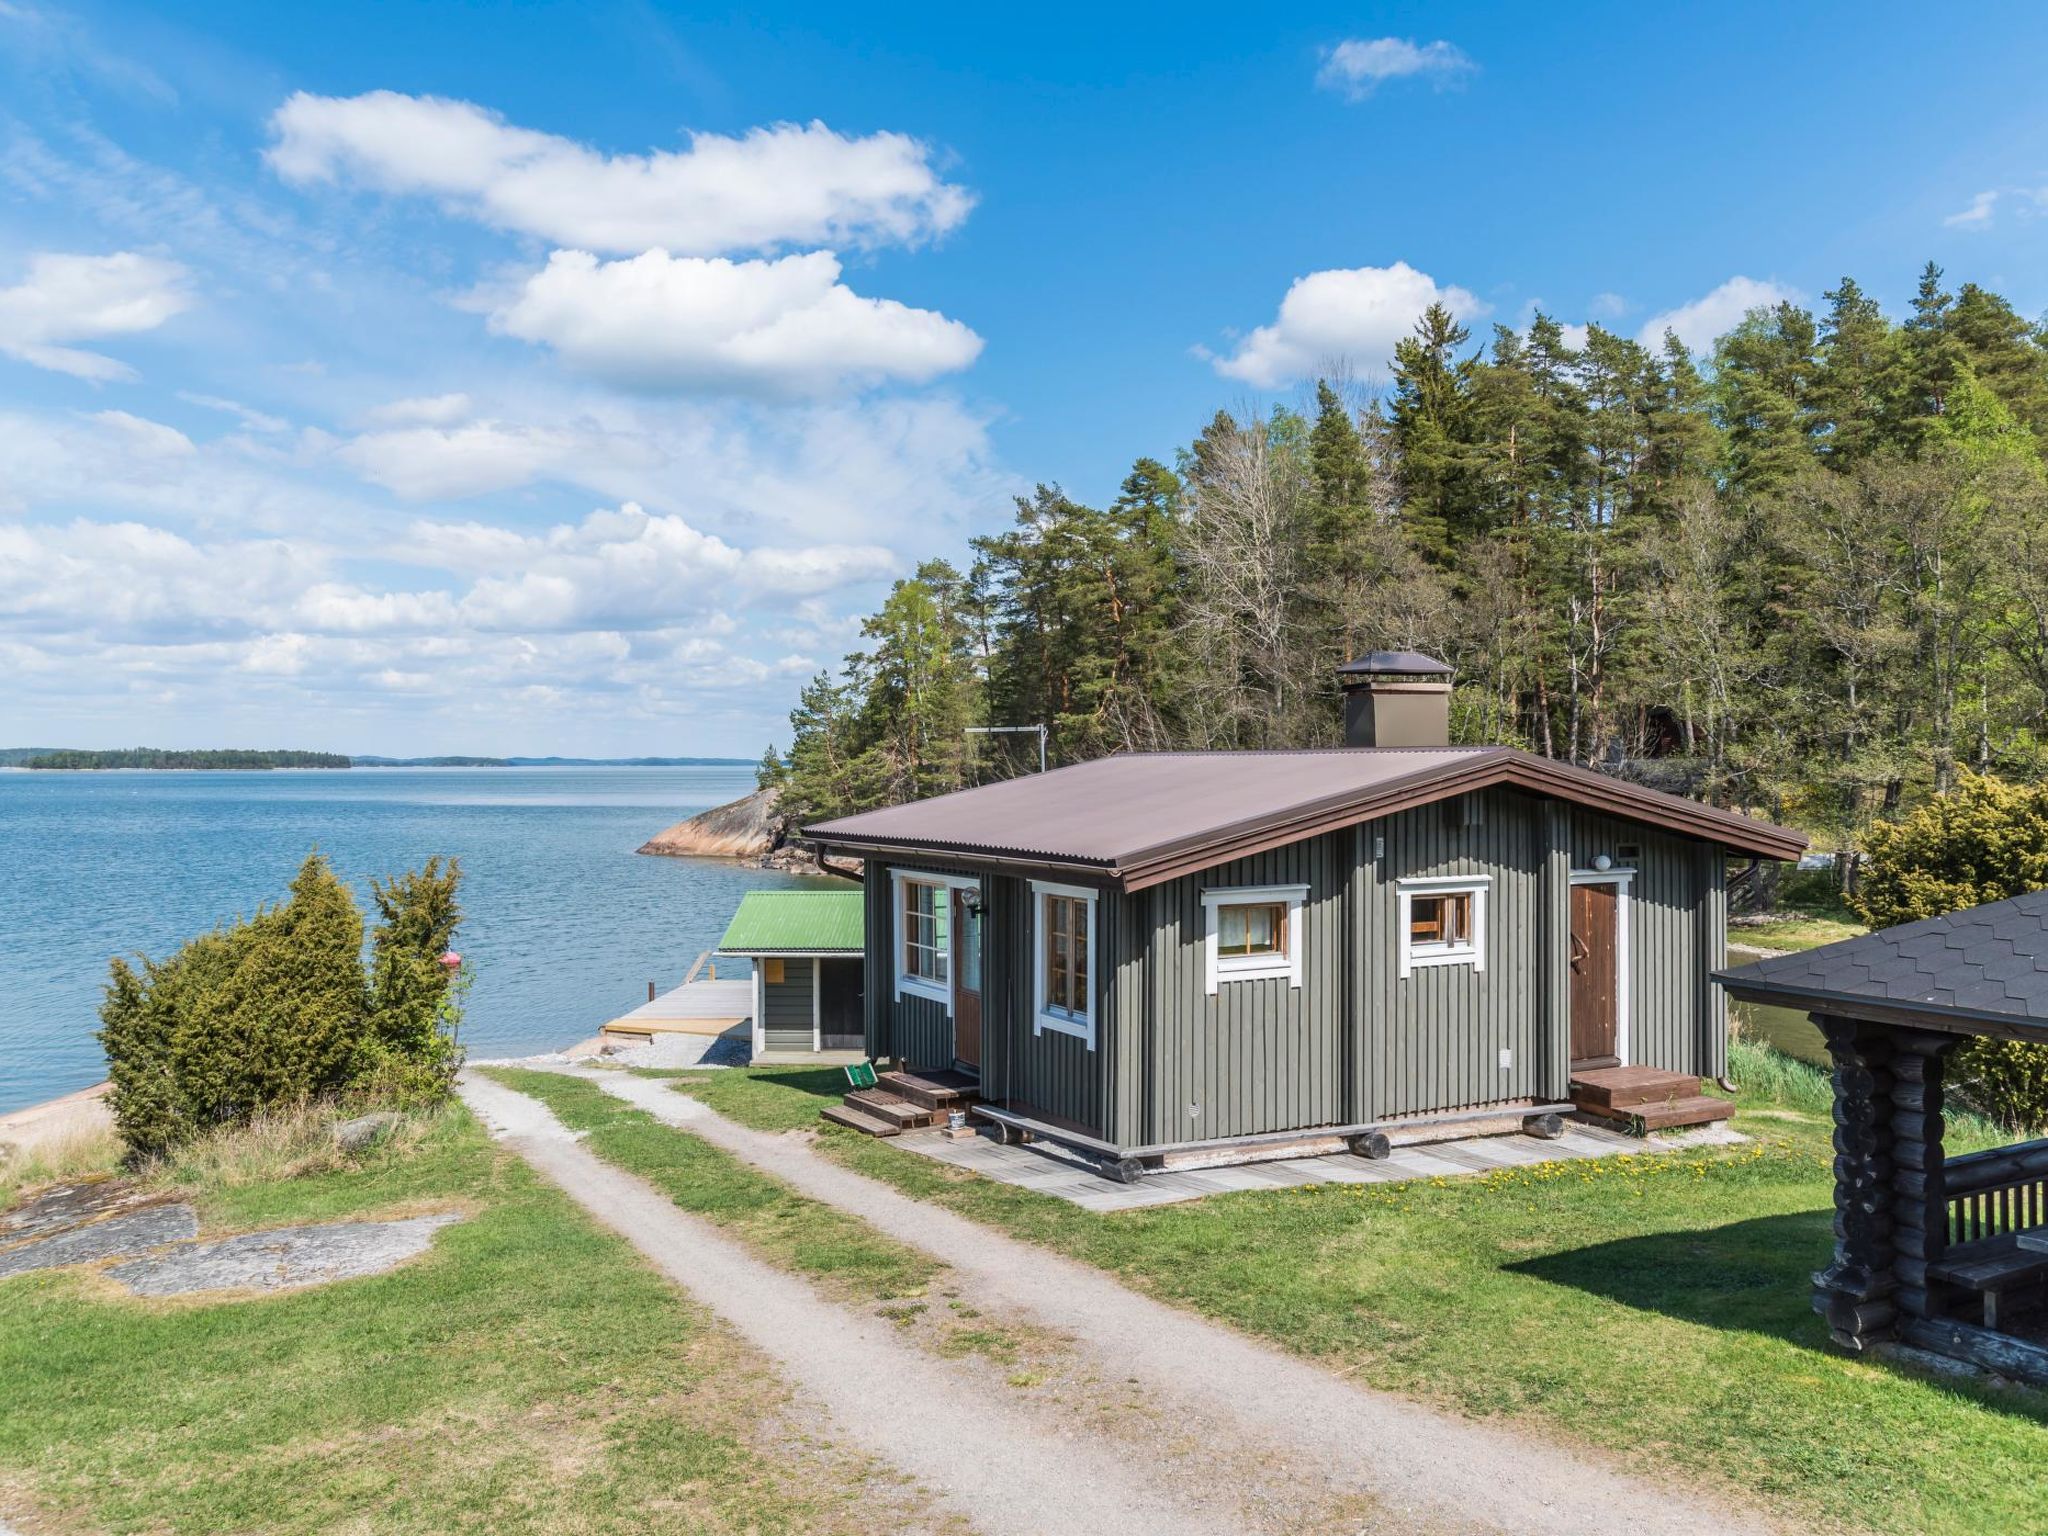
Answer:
(904, 1101)
(899, 1112)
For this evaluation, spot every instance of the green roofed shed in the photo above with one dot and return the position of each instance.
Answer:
(796, 922)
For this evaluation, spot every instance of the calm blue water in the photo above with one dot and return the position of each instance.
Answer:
(565, 924)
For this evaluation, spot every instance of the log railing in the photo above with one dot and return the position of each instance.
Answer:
(1991, 1194)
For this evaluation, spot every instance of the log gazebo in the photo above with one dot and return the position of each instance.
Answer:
(1944, 1254)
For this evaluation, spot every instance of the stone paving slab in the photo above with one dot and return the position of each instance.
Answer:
(1052, 1170)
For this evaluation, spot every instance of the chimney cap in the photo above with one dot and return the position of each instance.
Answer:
(1395, 664)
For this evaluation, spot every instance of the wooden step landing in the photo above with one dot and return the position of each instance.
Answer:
(934, 1090)
(1622, 1087)
(1671, 1114)
(904, 1101)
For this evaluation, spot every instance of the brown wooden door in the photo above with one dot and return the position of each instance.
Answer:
(966, 980)
(1595, 969)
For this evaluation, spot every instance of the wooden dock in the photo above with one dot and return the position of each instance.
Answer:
(702, 1005)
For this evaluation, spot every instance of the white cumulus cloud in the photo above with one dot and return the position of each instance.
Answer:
(657, 321)
(1358, 64)
(66, 298)
(423, 410)
(1353, 314)
(789, 184)
(1714, 314)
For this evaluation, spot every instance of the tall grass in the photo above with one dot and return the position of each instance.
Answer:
(81, 1154)
(278, 1144)
(1767, 1076)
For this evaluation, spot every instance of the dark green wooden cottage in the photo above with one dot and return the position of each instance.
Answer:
(1152, 953)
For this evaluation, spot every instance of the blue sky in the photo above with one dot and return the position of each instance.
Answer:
(419, 378)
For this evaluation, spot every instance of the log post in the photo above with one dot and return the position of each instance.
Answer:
(1855, 1293)
(1919, 1189)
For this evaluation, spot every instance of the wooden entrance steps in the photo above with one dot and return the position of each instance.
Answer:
(1643, 1099)
(904, 1101)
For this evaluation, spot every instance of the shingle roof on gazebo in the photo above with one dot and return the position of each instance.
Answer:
(1987, 963)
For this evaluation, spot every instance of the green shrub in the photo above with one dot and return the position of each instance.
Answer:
(415, 996)
(1984, 841)
(277, 1010)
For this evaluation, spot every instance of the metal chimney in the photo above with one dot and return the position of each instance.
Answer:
(1396, 699)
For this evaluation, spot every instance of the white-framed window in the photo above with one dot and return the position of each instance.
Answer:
(1252, 931)
(1443, 921)
(923, 906)
(1063, 942)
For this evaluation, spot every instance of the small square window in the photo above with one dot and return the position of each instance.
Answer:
(1443, 922)
(1253, 932)
(1251, 928)
(1443, 919)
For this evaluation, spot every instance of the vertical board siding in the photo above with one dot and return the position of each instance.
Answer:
(786, 1010)
(1667, 949)
(1434, 1038)
(1054, 1074)
(917, 1029)
(1259, 1055)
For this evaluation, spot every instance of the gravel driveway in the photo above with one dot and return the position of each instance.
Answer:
(1410, 1457)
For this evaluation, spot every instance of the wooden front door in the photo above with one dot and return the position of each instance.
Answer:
(1596, 974)
(966, 980)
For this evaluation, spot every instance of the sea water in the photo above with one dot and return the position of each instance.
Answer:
(564, 924)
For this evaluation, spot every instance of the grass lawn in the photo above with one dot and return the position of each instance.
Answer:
(1654, 1305)
(843, 1254)
(1793, 930)
(528, 1374)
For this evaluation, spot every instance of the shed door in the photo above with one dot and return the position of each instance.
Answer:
(839, 1003)
(1595, 958)
(966, 980)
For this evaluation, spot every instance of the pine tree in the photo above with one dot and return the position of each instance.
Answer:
(1432, 424)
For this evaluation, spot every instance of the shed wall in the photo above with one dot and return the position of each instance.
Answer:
(786, 1006)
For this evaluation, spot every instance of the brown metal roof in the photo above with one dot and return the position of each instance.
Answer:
(1142, 818)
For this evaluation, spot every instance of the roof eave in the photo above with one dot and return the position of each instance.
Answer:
(1939, 1017)
(963, 853)
(1485, 770)
(1143, 868)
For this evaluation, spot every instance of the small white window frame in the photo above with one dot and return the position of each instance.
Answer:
(1423, 957)
(1042, 1016)
(1218, 968)
(907, 983)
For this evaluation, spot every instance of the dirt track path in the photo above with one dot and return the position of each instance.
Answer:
(975, 1452)
(1415, 1463)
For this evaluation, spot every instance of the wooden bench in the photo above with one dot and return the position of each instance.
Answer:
(1990, 1266)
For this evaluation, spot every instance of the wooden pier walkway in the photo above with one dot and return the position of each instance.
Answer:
(702, 1005)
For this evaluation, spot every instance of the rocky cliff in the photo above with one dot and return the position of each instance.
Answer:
(745, 829)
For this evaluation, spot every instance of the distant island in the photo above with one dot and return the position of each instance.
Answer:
(163, 757)
(237, 758)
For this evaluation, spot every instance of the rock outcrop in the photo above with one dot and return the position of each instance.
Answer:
(745, 829)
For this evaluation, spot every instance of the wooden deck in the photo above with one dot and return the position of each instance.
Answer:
(702, 1005)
